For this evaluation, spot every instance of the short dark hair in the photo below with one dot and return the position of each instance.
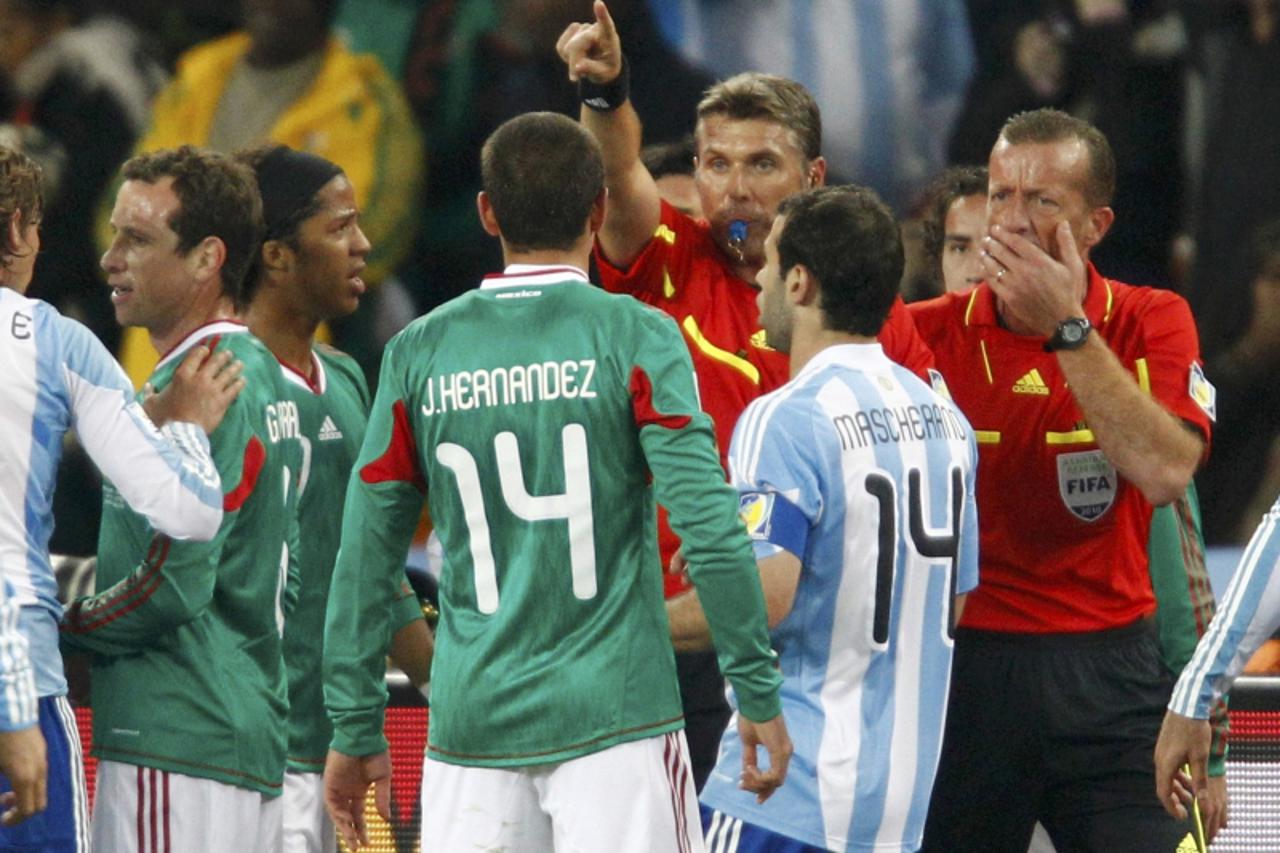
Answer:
(542, 172)
(1049, 125)
(19, 192)
(955, 183)
(218, 197)
(849, 240)
(669, 158)
(767, 96)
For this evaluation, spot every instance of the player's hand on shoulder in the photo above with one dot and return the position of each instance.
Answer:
(24, 763)
(346, 780)
(203, 387)
(592, 50)
(773, 736)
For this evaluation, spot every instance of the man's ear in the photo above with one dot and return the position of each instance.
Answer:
(208, 257)
(801, 286)
(1100, 219)
(488, 220)
(598, 209)
(816, 174)
(277, 257)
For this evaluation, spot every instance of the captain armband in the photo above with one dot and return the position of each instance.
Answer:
(772, 518)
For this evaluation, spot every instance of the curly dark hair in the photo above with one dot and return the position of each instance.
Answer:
(19, 193)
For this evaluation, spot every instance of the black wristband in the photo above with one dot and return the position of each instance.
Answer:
(607, 97)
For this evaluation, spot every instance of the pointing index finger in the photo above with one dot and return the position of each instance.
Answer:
(605, 20)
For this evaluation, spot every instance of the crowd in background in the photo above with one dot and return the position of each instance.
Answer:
(402, 93)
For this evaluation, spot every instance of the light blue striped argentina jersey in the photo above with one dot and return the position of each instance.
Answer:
(58, 375)
(866, 474)
(1247, 616)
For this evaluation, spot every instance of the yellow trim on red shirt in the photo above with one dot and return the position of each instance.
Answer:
(1144, 374)
(709, 349)
(1076, 436)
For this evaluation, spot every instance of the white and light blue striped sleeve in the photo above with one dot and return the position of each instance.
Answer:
(1247, 615)
(967, 558)
(19, 704)
(770, 456)
(167, 475)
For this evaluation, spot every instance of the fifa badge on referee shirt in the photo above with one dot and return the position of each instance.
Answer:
(1203, 392)
(1087, 482)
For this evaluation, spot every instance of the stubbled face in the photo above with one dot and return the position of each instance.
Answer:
(152, 283)
(745, 168)
(775, 312)
(963, 230)
(1035, 186)
(331, 253)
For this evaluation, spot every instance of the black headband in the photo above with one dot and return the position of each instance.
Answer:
(288, 180)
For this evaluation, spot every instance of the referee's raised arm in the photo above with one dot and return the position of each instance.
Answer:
(593, 54)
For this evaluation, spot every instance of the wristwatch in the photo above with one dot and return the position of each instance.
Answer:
(1070, 334)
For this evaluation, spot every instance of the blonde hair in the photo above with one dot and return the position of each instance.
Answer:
(766, 96)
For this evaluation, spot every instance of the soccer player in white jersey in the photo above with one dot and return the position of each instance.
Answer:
(1248, 614)
(58, 375)
(856, 483)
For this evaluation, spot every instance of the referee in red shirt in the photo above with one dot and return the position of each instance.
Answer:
(1090, 406)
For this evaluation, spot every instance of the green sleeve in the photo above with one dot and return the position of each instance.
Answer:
(1184, 598)
(174, 582)
(384, 499)
(293, 568)
(405, 609)
(680, 447)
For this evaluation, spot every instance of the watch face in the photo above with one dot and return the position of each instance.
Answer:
(1072, 332)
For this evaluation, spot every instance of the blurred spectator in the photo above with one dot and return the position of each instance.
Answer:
(474, 64)
(889, 77)
(286, 79)
(953, 224)
(74, 92)
(1115, 63)
(1239, 480)
(1239, 184)
(671, 165)
(381, 27)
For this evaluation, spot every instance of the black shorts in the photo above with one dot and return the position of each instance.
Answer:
(706, 711)
(1059, 728)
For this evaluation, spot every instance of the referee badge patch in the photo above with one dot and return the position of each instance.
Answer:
(756, 511)
(1203, 392)
(1087, 482)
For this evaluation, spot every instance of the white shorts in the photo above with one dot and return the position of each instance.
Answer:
(636, 797)
(141, 809)
(307, 828)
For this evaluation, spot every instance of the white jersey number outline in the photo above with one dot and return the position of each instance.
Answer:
(573, 505)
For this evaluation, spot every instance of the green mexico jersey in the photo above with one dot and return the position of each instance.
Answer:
(185, 637)
(541, 416)
(333, 408)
